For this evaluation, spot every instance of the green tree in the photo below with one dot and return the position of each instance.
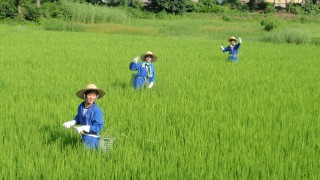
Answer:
(7, 9)
(170, 6)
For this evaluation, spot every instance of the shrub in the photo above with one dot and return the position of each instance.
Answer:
(119, 2)
(226, 18)
(240, 6)
(262, 5)
(191, 6)
(208, 8)
(140, 14)
(269, 9)
(31, 12)
(162, 15)
(7, 10)
(311, 9)
(269, 23)
(134, 13)
(295, 9)
(136, 4)
(172, 6)
(51, 10)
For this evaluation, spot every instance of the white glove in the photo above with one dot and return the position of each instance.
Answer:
(135, 60)
(222, 48)
(240, 40)
(150, 85)
(83, 129)
(69, 123)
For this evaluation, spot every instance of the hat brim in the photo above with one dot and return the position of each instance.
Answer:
(154, 57)
(80, 93)
(231, 39)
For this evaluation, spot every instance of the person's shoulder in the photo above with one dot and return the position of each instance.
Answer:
(95, 107)
(81, 104)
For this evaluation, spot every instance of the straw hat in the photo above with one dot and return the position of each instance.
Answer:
(232, 38)
(143, 56)
(88, 88)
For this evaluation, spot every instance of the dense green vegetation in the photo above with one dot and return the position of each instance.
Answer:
(103, 11)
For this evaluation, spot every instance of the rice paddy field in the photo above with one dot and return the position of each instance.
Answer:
(205, 118)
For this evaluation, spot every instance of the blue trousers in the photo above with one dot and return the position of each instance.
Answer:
(233, 58)
(139, 82)
(90, 142)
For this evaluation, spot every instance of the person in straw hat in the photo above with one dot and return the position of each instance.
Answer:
(146, 71)
(89, 116)
(232, 49)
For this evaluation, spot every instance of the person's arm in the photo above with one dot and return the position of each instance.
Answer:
(97, 121)
(222, 48)
(134, 64)
(77, 117)
(237, 46)
(226, 49)
(73, 122)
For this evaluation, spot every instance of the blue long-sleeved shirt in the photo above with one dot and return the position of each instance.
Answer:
(141, 67)
(93, 117)
(233, 53)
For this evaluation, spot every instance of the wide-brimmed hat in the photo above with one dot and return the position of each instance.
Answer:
(232, 38)
(143, 56)
(90, 87)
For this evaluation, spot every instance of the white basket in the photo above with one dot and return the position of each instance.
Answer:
(105, 143)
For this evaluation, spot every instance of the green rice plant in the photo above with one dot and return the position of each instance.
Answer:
(204, 118)
(316, 41)
(60, 25)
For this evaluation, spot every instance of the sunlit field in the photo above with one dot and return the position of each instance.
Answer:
(205, 118)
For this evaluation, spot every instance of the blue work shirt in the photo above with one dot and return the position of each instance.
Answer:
(93, 118)
(233, 53)
(145, 74)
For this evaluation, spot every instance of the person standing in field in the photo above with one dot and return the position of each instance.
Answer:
(146, 70)
(89, 116)
(232, 49)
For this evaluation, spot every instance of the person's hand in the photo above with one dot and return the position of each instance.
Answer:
(83, 129)
(150, 85)
(222, 48)
(240, 40)
(69, 123)
(135, 60)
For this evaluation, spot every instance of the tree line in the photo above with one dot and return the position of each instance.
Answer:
(35, 9)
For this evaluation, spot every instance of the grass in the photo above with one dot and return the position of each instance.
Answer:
(204, 119)
(197, 25)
